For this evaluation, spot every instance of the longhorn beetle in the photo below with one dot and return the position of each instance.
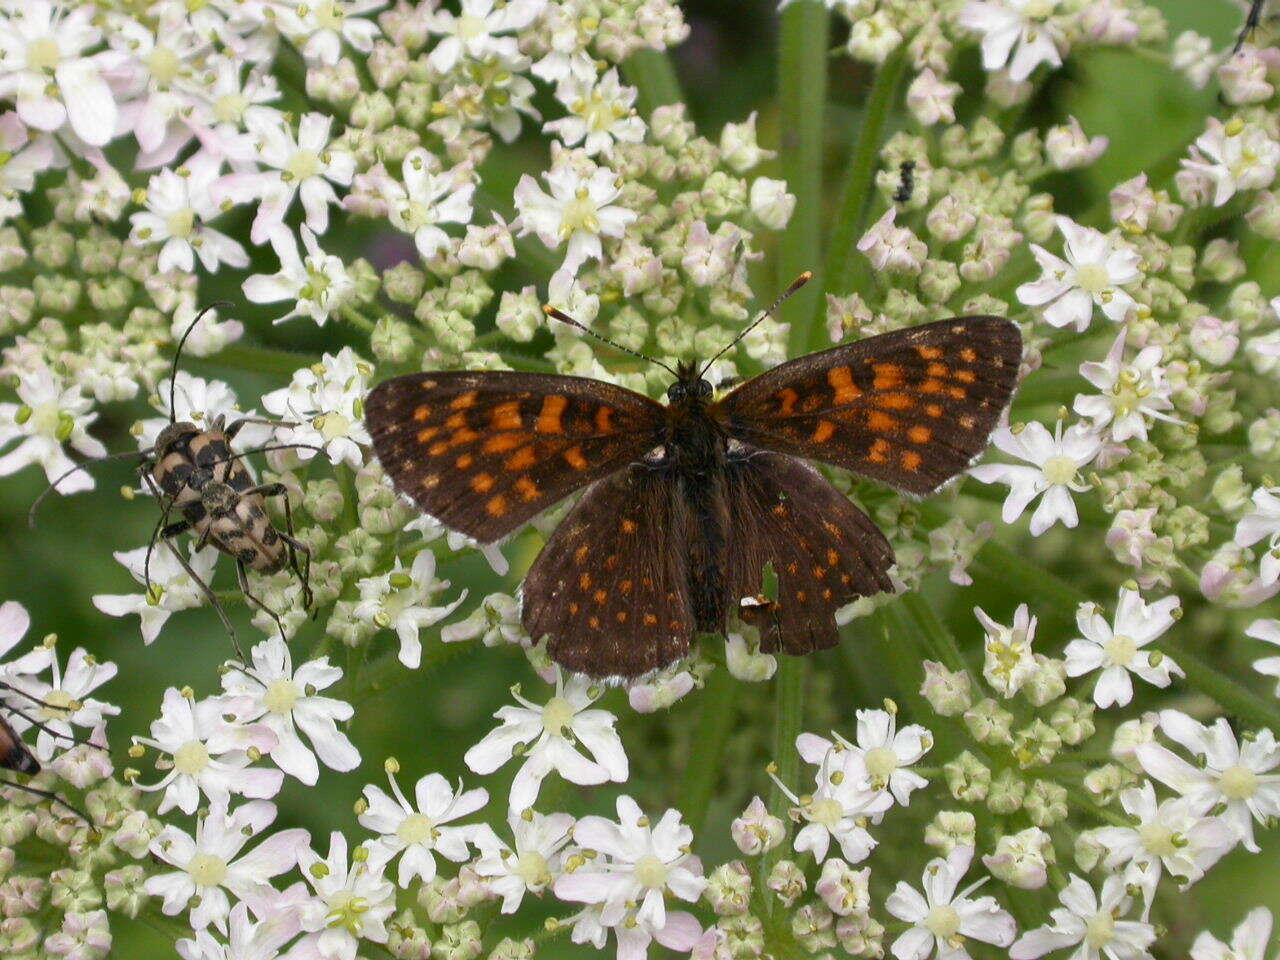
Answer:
(195, 474)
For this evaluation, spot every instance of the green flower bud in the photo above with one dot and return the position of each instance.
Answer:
(968, 778)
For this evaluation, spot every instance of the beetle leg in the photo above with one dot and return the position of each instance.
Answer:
(236, 425)
(242, 573)
(49, 795)
(301, 571)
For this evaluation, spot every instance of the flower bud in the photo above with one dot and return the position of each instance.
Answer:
(844, 890)
(947, 692)
(787, 881)
(728, 889)
(950, 829)
(757, 831)
(1021, 859)
(968, 778)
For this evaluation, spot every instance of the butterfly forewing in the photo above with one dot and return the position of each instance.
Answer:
(14, 754)
(825, 552)
(611, 587)
(911, 408)
(484, 452)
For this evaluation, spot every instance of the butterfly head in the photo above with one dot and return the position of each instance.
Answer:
(689, 388)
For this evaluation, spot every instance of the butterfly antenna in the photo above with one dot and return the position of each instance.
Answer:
(565, 318)
(177, 355)
(796, 284)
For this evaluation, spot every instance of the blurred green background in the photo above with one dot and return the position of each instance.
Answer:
(728, 67)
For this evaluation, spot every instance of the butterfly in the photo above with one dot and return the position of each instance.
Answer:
(690, 501)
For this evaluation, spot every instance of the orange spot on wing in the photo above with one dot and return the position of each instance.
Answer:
(600, 596)
(422, 412)
(425, 435)
(464, 400)
(894, 401)
(438, 448)
(528, 489)
(482, 482)
(574, 608)
(967, 422)
(965, 376)
(938, 370)
(593, 623)
(625, 586)
(464, 461)
(929, 353)
(956, 393)
(497, 506)
(919, 434)
(822, 433)
(584, 581)
(628, 526)
(549, 415)
(456, 422)
(463, 436)
(933, 410)
(650, 620)
(932, 386)
(911, 460)
(504, 442)
(786, 401)
(575, 458)
(832, 558)
(881, 422)
(604, 419)
(888, 376)
(879, 452)
(522, 459)
(841, 380)
(621, 616)
(969, 355)
(506, 416)
(580, 555)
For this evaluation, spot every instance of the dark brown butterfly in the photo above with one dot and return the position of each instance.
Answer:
(691, 500)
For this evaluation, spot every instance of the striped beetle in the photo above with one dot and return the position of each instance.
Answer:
(194, 473)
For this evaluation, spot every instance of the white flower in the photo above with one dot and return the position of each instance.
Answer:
(579, 210)
(207, 754)
(744, 659)
(884, 753)
(317, 285)
(327, 403)
(941, 918)
(1025, 24)
(247, 940)
(552, 737)
(198, 401)
(637, 864)
(600, 115)
(1129, 393)
(353, 903)
(419, 832)
(472, 33)
(771, 203)
(28, 156)
(1092, 924)
(1020, 858)
(208, 865)
(49, 415)
(1249, 940)
(931, 99)
(1267, 631)
(1057, 460)
(14, 622)
(1116, 649)
(1068, 148)
(661, 690)
(319, 28)
(207, 337)
(1238, 776)
(287, 701)
(172, 587)
(838, 808)
(533, 860)
(1238, 156)
(1167, 836)
(1263, 523)
(402, 601)
(178, 207)
(428, 198)
(307, 166)
(1093, 273)
(1008, 662)
(44, 68)
(56, 705)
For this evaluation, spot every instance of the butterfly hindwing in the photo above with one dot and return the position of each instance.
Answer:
(824, 551)
(483, 452)
(611, 587)
(911, 408)
(14, 754)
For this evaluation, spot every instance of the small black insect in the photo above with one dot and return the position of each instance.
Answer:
(906, 181)
(1251, 23)
(691, 504)
(194, 473)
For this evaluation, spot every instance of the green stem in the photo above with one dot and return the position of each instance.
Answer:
(1228, 694)
(788, 718)
(846, 269)
(714, 725)
(940, 638)
(802, 93)
(652, 73)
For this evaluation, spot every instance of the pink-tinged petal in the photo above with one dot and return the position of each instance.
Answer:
(1039, 942)
(275, 855)
(812, 748)
(1037, 293)
(261, 288)
(581, 887)
(913, 944)
(681, 932)
(906, 903)
(91, 109)
(1072, 309)
(1168, 767)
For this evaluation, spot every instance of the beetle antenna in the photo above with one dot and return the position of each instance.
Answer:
(796, 284)
(132, 454)
(565, 318)
(177, 355)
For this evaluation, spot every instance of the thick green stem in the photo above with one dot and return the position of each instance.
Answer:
(939, 637)
(704, 768)
(802, 92)
(846, 270)
(788, 718)
(653, 74)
